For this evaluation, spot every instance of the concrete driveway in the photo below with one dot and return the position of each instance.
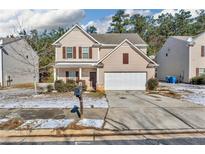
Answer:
(138, 110)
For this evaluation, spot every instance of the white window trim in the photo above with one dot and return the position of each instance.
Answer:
(67, 52)
(201, 72)
(82, 53)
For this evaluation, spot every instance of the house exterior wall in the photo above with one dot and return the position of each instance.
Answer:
(61, 74)
(197, 61)
(114, 63)
(76, 39)
(1, 66)
(18, 67)
(177, 61)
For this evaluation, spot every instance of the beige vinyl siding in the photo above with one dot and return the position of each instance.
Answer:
(196, 60)
(76, 38)
(114, 63)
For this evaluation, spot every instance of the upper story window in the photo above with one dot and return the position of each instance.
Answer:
(85, 52)
(125, 58)
(69, 52)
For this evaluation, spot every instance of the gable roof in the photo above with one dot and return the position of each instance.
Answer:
(132, 45)
(9, 40)
(76, 25)
(183, 38)
(116, 38)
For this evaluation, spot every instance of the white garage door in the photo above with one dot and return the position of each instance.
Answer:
(125, 81)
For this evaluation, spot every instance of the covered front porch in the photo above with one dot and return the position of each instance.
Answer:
(88, 74)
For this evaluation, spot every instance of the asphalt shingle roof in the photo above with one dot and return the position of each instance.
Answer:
(116, 38)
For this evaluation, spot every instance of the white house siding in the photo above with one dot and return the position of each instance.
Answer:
(177, 61)
(16, 66)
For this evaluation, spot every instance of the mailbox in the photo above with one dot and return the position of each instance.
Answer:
(78, 91)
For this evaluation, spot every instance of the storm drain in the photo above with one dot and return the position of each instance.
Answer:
(123, 98)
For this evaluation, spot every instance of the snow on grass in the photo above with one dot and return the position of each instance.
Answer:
(46, 123)
(191, 93)
(4, 120)
(54, 103)
(97, 123)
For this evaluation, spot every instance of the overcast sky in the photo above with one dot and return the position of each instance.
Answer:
(13, 20)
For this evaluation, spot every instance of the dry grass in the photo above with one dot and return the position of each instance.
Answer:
(25, 85)
(11, 124)
(97, 94)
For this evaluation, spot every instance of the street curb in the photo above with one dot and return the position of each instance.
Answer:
(91, 132)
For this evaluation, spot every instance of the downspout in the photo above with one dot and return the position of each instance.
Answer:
(1, 63)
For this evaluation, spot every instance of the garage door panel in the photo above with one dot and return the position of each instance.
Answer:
(125, 81)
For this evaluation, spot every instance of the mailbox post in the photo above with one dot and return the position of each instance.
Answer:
(78, 93)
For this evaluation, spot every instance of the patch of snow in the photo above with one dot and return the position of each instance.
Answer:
(54, 103)
(45, 123)
(97, 123)
(191, 93)
(4, 120)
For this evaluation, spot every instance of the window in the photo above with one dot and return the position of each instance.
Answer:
(125, 58)
(69, 52)
(71, 74)
(201, 71)
(85, 53)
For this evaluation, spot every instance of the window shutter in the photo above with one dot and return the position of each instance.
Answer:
(125, 58)
(67, 74)
(197, 71)
(64, 53)
(90, 52)
(202, 51)
(80, 52)
(74, 52)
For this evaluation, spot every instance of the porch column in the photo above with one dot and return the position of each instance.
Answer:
(98, 75)
(80, 73)
(54, 73)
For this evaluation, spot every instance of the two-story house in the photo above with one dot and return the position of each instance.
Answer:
(183, 57)
(105, 61)
(18, 62)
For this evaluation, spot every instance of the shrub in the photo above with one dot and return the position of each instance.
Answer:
(198, 80)
(83, 84)
(49, 88)
(60, 86)
(70, 85)
(152, 84)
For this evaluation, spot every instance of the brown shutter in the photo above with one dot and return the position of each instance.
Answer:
(125, 58)
(80, 52)
(74, 52)
(64, 53)
(197, 71)
(202, 51)
(90, 52)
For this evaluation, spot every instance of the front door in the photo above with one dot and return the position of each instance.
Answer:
(93, 79)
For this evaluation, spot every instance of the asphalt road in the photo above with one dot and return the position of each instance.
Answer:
(178, 141)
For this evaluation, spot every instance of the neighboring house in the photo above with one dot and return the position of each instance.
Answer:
(183, 57)
(105, 61)
(18, 62)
